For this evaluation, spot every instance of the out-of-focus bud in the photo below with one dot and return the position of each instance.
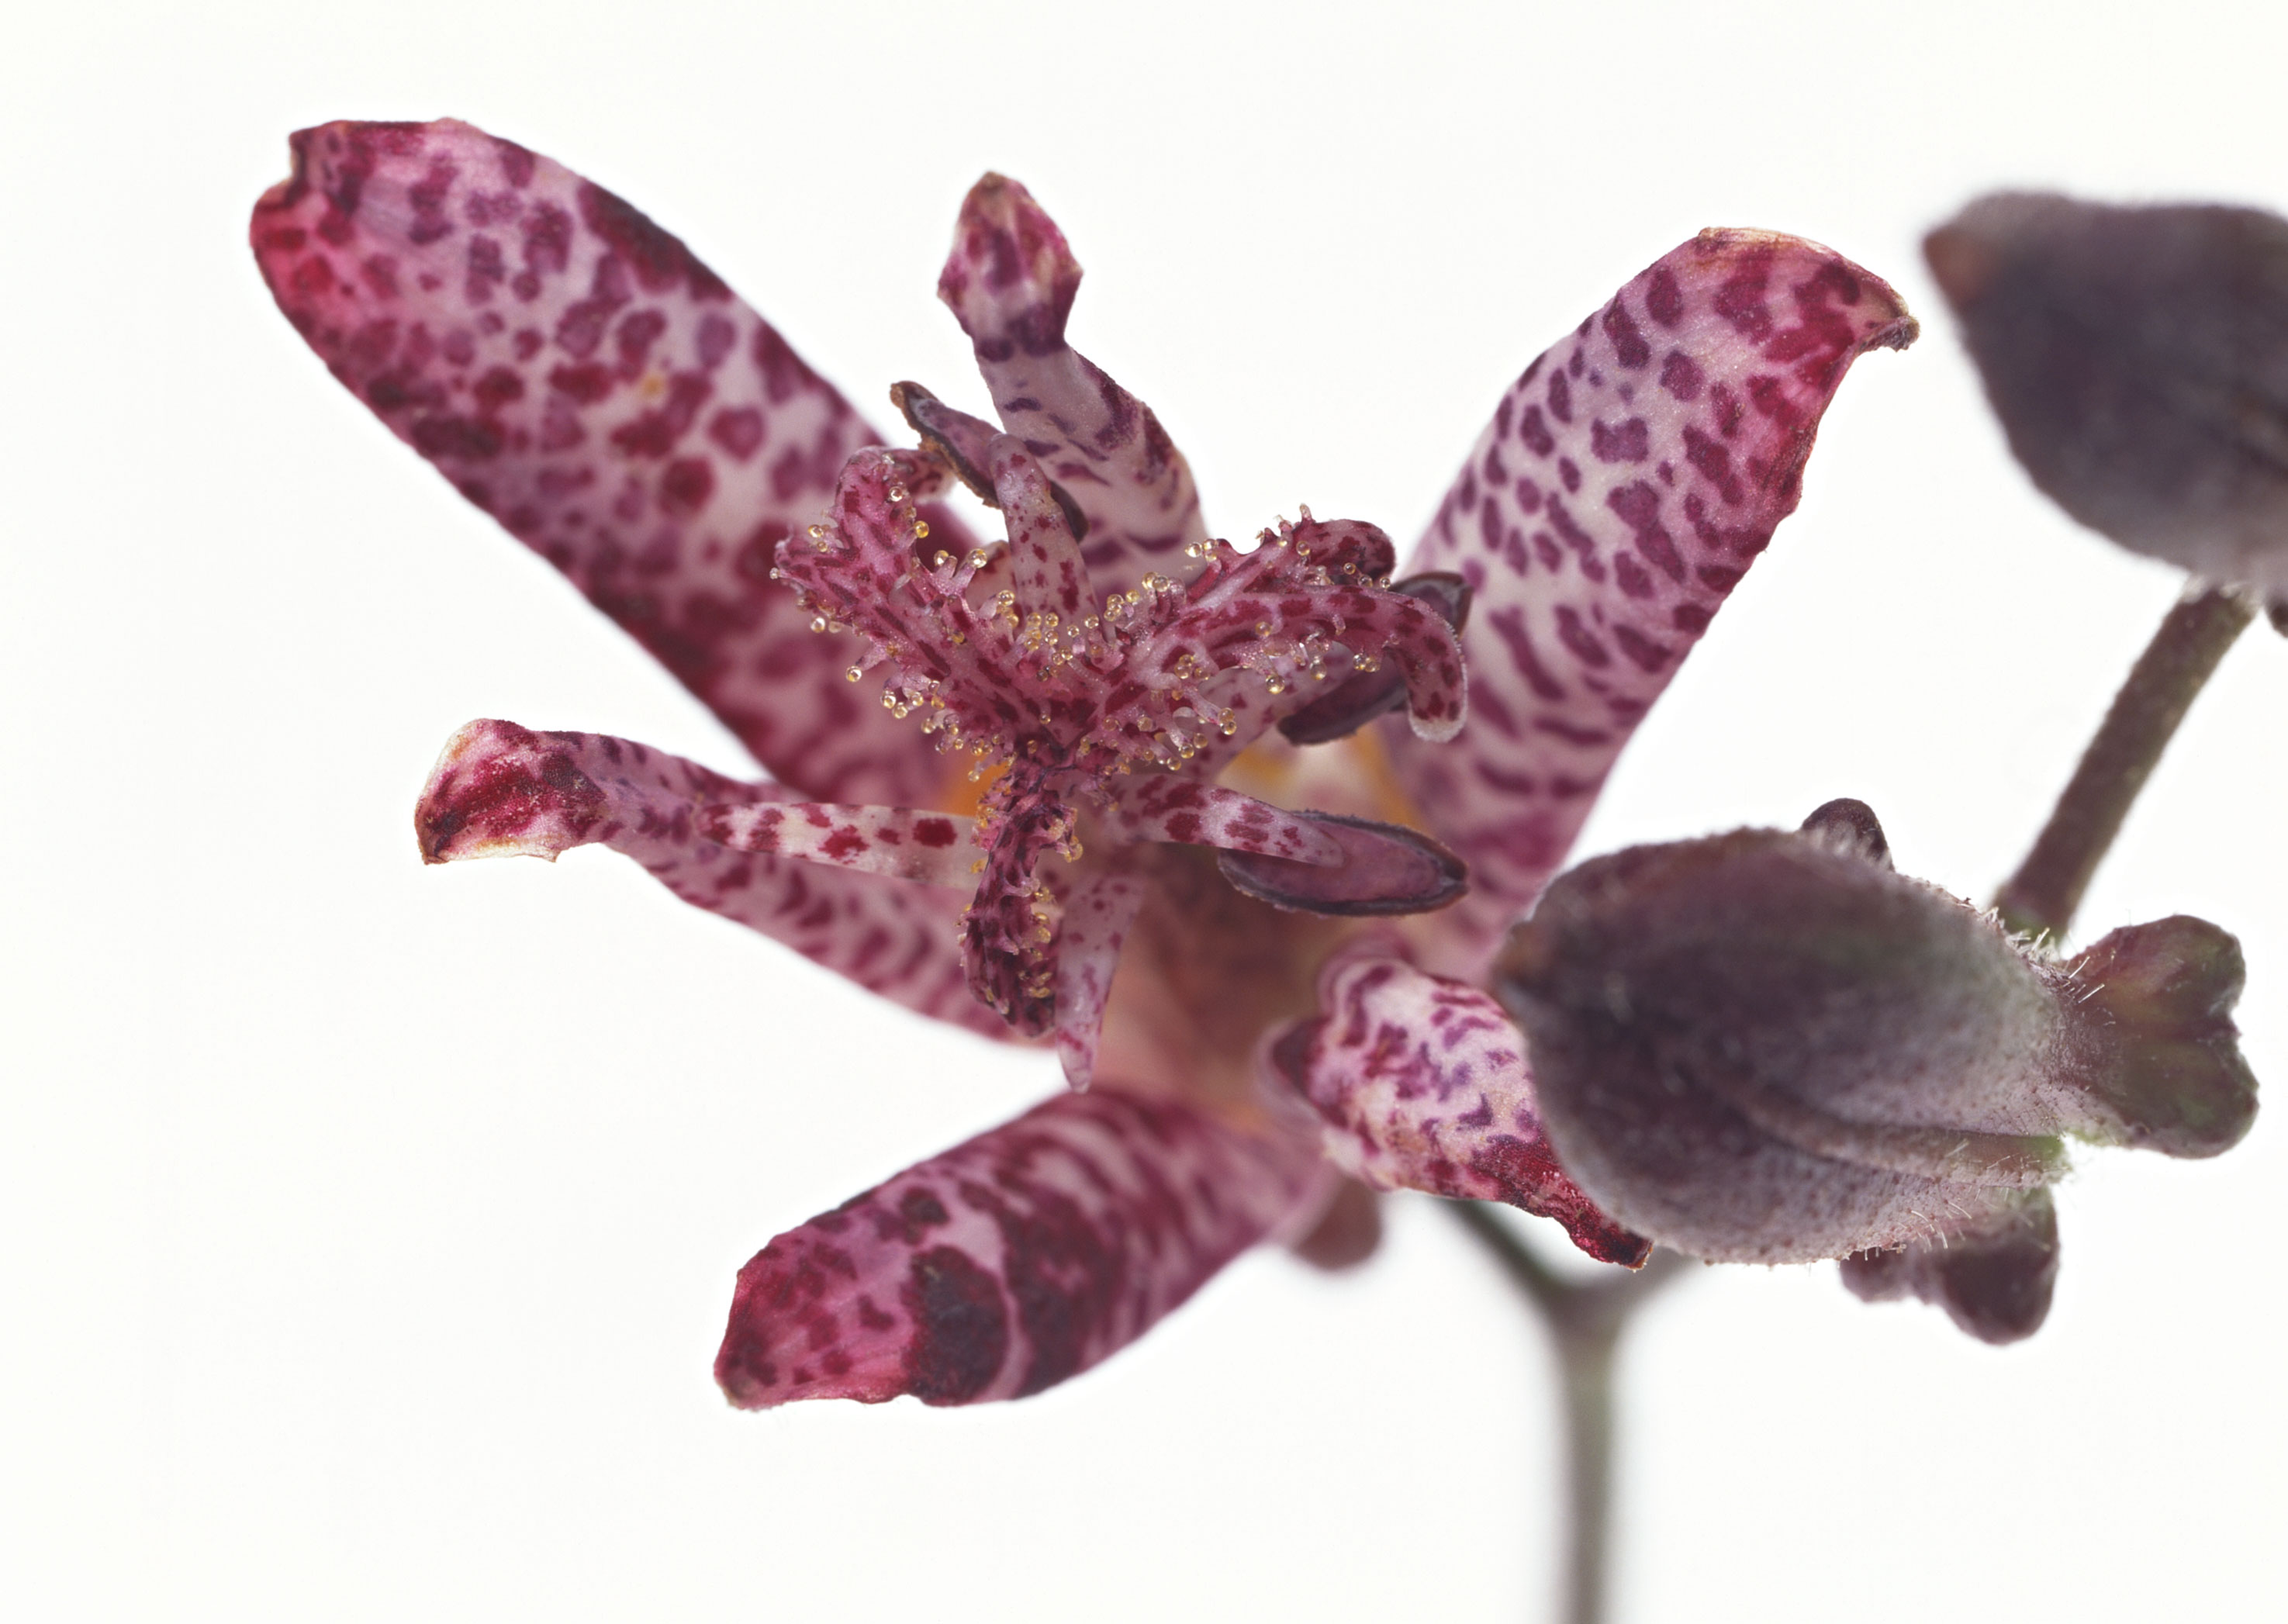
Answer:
(1994, 1279)
(1768, 1046)
(2138, 359)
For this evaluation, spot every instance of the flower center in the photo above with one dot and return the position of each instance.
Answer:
(1006, 653)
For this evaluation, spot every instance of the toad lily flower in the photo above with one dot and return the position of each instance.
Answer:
(1068, 723)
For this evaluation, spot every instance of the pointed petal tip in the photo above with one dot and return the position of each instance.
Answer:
(1010, 277)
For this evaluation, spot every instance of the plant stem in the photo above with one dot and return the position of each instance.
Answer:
(2193, 636)
(1585, 1320)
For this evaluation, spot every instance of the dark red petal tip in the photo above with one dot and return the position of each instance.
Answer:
(2134, 357)
(1386, 869)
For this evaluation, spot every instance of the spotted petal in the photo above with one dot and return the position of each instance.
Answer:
(501, 790)
(579, 375)
(1012, 1262)
(1420, 1084)
(1628, 479)
(897, 842)
(1101, 897)
(1010, 281)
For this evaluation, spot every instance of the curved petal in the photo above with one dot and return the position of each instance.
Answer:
(577, 374)
(1010, 281)
(1100, 902)
(1012, 1262)
(500, 791)
(1627, 480)
(1420, 1084)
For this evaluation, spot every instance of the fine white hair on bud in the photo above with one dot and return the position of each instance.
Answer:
(1770, 1047)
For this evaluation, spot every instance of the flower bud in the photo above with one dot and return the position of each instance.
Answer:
(2138, 359)
(1768, 1047)
(1994, 1279)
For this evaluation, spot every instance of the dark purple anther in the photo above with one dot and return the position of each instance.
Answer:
(1386, 869)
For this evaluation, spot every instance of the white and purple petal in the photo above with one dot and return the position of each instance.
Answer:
(1628, 479)
(1010, 281)
(898, 843)
(1012, 1262)
(1422, 1083)
(1101, 895)
(578, 374)
(501, 790)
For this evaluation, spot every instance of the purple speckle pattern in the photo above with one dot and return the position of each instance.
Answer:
(1419, 1082)
(501, 790)
(1122, 712)
(1010, 281)
(1628, 479)
(1012, 1262)
(575, 372)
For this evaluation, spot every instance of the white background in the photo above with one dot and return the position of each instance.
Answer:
(368, 1230)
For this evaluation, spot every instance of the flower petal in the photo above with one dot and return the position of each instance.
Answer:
(577, 374)
(1365, 695)
(1046, 569)
(1100, 901)
(1420, 1084)
(1012, 1262)
(2136, 358)
(896, 842)
(500, 791)
(1010, 281)
(1627, 480)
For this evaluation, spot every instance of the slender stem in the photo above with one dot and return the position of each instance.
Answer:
(1585, 1320)
(2048, 886)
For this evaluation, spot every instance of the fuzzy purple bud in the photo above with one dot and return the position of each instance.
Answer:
(1768, 1047)
(2138, 359)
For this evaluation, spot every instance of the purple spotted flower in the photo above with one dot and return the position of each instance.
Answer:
(1106, 779)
